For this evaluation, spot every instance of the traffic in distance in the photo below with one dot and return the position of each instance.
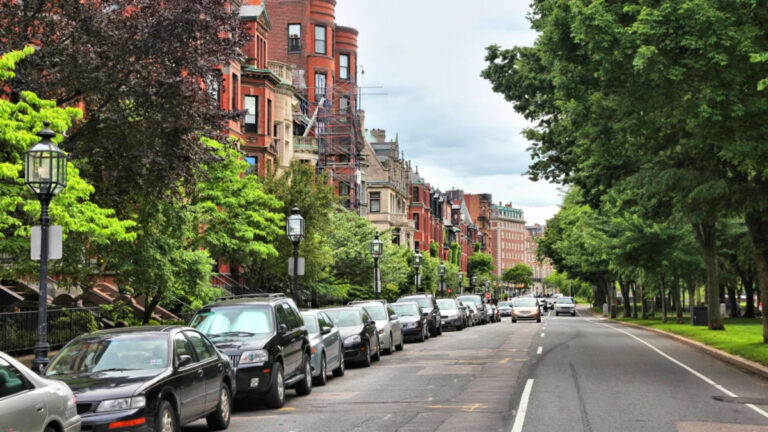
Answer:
(251, 347)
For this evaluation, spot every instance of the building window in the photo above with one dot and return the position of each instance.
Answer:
(253, 164)
(415, 194)
(375, 202)
(344, 190)
(251, 114)
(416, 221)
(270, 126)
(235, 91)
(320, 39)
(320, 82)
(214, 87)
(344, 103)
(344, 66)
(294, 37)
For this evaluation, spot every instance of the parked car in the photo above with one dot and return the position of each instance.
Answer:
(465, 313)
(491, 312)
(146, 378)
(358, 334)
(415, 324)
(265, 338)
(327, 349)
(505, 308)
(388, 325)
(451, 314)
(526, 308)
(474, 314)
(429, 308)
(565, 305)
(29, 402)
(479, 305)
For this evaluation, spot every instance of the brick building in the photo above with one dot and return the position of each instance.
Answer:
(540, 269)
(479, 206)
(508, 235)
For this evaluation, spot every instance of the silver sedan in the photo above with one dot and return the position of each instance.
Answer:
(31, 403)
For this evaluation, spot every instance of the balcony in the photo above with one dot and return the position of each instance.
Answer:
(305, 144)
(282, 70)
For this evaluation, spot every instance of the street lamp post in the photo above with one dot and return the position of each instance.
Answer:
(377, 249)
(441, 272)
(294, 228)
(416, 265)
(472, 281)
(461, 283)
(45, 172)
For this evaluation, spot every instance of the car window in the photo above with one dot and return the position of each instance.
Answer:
(390, 311)
(11, 380)
(294, 319)
(524, 302)
(366, 317)
(203, 350)
(325, 320)
(345, 317)
(406, 309)
(421, 301)
(140, 354)
(379, 313)
(233, 321)
(564, 300)
(310, 322)
(446, 304)
(181, 346)
(282, 316)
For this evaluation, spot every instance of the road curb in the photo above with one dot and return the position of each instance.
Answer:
(739, 362)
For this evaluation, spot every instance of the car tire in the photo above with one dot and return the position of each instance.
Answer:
(339, 371)
(377, 356)
(166, 418)
(391, 348)
(322, 379)
(401, 346)
(514, 320)
(304, 386)
(557, 314)
(276, 395)
(50, 429)
(574, 314)
(538, 320)
(422, 338)
(367, 362)
(440, 329)
(219, 419)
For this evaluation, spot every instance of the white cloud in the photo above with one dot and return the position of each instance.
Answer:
(427, 55)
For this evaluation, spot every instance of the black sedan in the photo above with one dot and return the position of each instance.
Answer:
(146, 379)
(415, 325)
(358, 334)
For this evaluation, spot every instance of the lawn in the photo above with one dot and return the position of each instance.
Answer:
(742, 336)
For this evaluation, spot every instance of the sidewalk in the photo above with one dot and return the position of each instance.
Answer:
(740, 362)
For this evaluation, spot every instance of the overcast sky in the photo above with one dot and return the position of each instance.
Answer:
(427, 56)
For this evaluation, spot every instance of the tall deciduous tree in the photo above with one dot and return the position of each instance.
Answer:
(520, 274)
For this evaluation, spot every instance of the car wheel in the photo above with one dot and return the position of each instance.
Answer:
(339, 371)
(514, 320)
(427, 333)
(422, 338)
(166, 418)
(323, 377)
(276, 396)
(304, 387)
(538, 319)
(573, 314)
(367, 361)
(440, 329)
(49, 429)
(391, 348)
(219, 419)
(401, 346)
(377, 356)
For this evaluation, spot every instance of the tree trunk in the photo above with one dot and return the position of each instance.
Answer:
(663, 292)
(749, 290)
(624, 286)
(757, 224)
(691, 293)
(634, 300)
(707, 239)
(733, 300)
(676, 297)
(149, 307)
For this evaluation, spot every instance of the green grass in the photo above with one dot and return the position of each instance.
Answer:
(742, 336)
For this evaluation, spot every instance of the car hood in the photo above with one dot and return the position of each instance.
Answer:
(241, 343)
(449, 311)
(108, 385)
(409, 319)
(349, 331)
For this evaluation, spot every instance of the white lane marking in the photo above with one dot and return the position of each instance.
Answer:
(689, 369)
(542, 335)
(523, 407)
(538, 351)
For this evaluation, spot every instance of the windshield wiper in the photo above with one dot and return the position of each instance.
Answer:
(114, 370)
(231, 333)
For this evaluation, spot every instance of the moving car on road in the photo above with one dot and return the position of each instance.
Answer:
(525, 308)
(565, 305)
(34, 404)
(327, 350)
(266, 341)
(388, 325)
(146, 378)
(479, 305)
(429, 309)
(358, 334)
(415, 324)
(451, 314)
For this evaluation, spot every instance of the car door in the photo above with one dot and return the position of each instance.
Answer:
(332, 340)
(22, 406)
(291, 340)
(191, 379)
(396, 325)
(370, 330)
(213, 368)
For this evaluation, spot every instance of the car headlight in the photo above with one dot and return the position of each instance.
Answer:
(412, 324)
(352, 340)
(122, 404)
(254, 356)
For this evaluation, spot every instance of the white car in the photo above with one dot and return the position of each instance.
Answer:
(30, 403)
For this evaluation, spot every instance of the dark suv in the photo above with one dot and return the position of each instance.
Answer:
(429, 309)
(266, 341)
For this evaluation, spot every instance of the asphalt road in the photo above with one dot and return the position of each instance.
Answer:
(568, 374)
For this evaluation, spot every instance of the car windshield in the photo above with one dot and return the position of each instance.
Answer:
(310, 322)
(141, 354)
(378, 313)
(471, 298)
(504, 304)
(524, 302)
(345, 317)
(422, 301)
(406, 309)
(564, 300)
(446, 304)
(234, 321)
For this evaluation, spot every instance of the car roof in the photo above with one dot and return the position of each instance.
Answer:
(253, 299)
(415, 296)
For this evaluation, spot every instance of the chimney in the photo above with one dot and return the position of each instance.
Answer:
(379, 134)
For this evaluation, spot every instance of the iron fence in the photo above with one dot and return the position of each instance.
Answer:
(18, 330)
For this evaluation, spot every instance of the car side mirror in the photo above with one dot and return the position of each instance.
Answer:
(325, 330)
(283, 329)
(371, 322)
(185, 360)
(393, 317)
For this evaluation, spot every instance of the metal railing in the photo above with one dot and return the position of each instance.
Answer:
(18, 330)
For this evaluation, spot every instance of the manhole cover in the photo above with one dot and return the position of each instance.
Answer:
(741, 400)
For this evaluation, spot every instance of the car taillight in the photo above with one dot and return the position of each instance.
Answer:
(381, 331)
(74, 399)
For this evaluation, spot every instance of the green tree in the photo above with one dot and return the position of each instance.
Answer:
(480, 264)
(520, 274)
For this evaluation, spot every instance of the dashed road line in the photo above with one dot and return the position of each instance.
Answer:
(538, 351)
